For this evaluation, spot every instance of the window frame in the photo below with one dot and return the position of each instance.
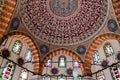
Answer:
(47, 77)
(5, 68)
(98, 57)
(19, 51)
(50, 63)
(74, 62)
(110, 45)
(62, 56)
(99, 74)
(20, 77)
(26, 54)
(4, 42)
(62, 77)
(111, 71)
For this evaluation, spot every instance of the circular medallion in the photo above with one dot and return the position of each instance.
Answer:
(63, 8)
(112, 25)
(81, 49)
(54, 71)
(14, 23)
(5, 53)
(63, 22)
(20, 61)
(44, 49)
(104, 63)
(69, 71)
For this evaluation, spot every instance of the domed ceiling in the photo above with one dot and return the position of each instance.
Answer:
(63, 22)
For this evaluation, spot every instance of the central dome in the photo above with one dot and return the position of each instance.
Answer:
(63, 22)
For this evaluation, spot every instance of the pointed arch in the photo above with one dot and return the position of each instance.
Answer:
(32, 45)
(62, 51)
(93, 47)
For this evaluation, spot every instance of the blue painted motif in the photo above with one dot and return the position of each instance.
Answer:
(81, 49)
(68, 9)
(112, 25)
(14, 23)
(44, 49)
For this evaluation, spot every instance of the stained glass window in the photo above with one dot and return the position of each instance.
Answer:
(23, 75)
(49, 63)
(46, 78)
(8, 71)
(62, 78)
(100, 76)
(17, 47)
(62, 61)
(115, 71)
(28, 55)
(76, 64)
(4, 42)
(96, 57)
(77, 78)
(108, 49)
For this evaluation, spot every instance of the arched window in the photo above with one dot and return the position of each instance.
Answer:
(17, 47)
(62, 78)
(28, 55)
(115, 71)
(77, 78)
(76, 64)
(108, 49)
(62, 61)
(23, 75)
(4, 42)
(49, 63)
(96, 57)
(100, 76)
(46, 78)
(8, 71)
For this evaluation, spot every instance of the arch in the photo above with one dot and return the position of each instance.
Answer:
(31, 43)
(93, 47)
(5, 15)
(62, 51)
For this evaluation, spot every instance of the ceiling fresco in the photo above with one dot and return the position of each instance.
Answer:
(63, 22)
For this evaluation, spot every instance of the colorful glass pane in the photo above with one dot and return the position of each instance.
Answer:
(28, 55)
(17, 47)
(8, 71)
(115, 71)
(100, 76)
(62, 61)
(23, 75)
(108, 49)
(49, 63)
(62, 78)
(4, 42)
(76, 64)
(77, 78)
(46, 78)
(96, 57)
